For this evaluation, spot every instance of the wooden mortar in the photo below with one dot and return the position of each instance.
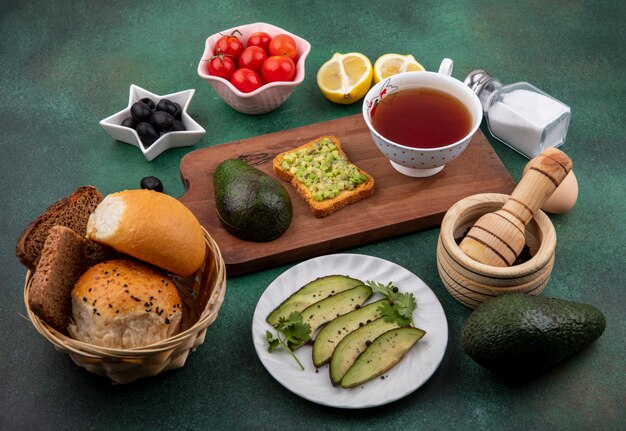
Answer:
(497, 238)
(471, 282)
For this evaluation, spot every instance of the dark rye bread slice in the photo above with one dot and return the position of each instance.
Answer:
(71, 211)
(62, 263)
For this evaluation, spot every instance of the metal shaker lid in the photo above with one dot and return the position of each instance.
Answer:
(477, 79)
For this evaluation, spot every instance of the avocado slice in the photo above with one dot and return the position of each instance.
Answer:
(335, 306)
(382, 355)
(310, 293)
(331, 334)
(519, 334)
(250, 204)
(355, 343)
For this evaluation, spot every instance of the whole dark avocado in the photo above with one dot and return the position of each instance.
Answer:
(519, 335)
(250, 204)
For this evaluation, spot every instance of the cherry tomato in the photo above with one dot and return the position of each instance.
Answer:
(260, 39)
(278, 68)
(229, 45)
(284, 45)
(222, 66)
(246, 80)
(252, 58)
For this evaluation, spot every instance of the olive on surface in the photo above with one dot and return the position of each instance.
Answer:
(151, 183)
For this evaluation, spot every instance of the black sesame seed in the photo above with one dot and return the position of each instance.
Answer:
(167, 321)
(84, 299)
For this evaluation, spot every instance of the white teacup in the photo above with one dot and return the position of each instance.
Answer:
(422, 162)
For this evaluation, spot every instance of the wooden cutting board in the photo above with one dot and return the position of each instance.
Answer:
(400, 204)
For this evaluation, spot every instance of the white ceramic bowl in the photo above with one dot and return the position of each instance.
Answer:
(421, 162)
(113, 124)
(269, 96)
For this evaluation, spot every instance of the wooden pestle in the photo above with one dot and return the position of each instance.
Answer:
(497, 238)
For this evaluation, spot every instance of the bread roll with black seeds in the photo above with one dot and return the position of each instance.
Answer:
(124, 304)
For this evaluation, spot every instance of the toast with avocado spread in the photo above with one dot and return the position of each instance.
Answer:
(322, 174)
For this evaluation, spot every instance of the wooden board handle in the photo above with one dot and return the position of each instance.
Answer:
(497, 238)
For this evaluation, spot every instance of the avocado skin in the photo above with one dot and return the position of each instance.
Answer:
(519, 335)
(250, 204)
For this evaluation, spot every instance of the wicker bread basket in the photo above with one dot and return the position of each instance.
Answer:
(473, 283)
(202, 294)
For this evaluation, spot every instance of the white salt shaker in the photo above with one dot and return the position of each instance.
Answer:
(521, 115)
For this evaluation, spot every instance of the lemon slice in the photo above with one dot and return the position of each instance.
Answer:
(345, 78)
(391, 64)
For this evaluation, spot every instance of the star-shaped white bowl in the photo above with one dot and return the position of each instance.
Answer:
(113, 124)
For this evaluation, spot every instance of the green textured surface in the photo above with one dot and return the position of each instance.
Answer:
(67, 65)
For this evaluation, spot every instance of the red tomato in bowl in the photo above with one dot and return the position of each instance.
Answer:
(278, 68)
(284, 44)
(246, 80)
(229, 45)
(252, 58)
(260, 39)
(222, 66)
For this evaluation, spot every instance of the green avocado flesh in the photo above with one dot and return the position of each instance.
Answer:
(335, 331)
(323, 170)
(311, 293)
(335, 306)
(250, 204)
(355, 343)
(382, 355)
(519, 334)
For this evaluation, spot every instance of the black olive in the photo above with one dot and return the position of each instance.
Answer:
(147, 134)
(162, 121)
(129, 122)
(151, 183)
(179, 111)
(178, 126)
(168, 106)
(148, 102)
(140, 112)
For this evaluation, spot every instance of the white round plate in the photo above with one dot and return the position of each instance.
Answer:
(412, 372)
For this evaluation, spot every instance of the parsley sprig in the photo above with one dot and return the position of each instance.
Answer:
(399, 307)
(294, 332)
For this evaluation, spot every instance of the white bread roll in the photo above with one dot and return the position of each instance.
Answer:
(150, 226)
(124, 304)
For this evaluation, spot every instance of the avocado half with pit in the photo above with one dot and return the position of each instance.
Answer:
(250, 204)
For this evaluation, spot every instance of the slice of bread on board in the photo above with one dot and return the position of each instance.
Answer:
(71, 211)
(62, 262)
(327, 206)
